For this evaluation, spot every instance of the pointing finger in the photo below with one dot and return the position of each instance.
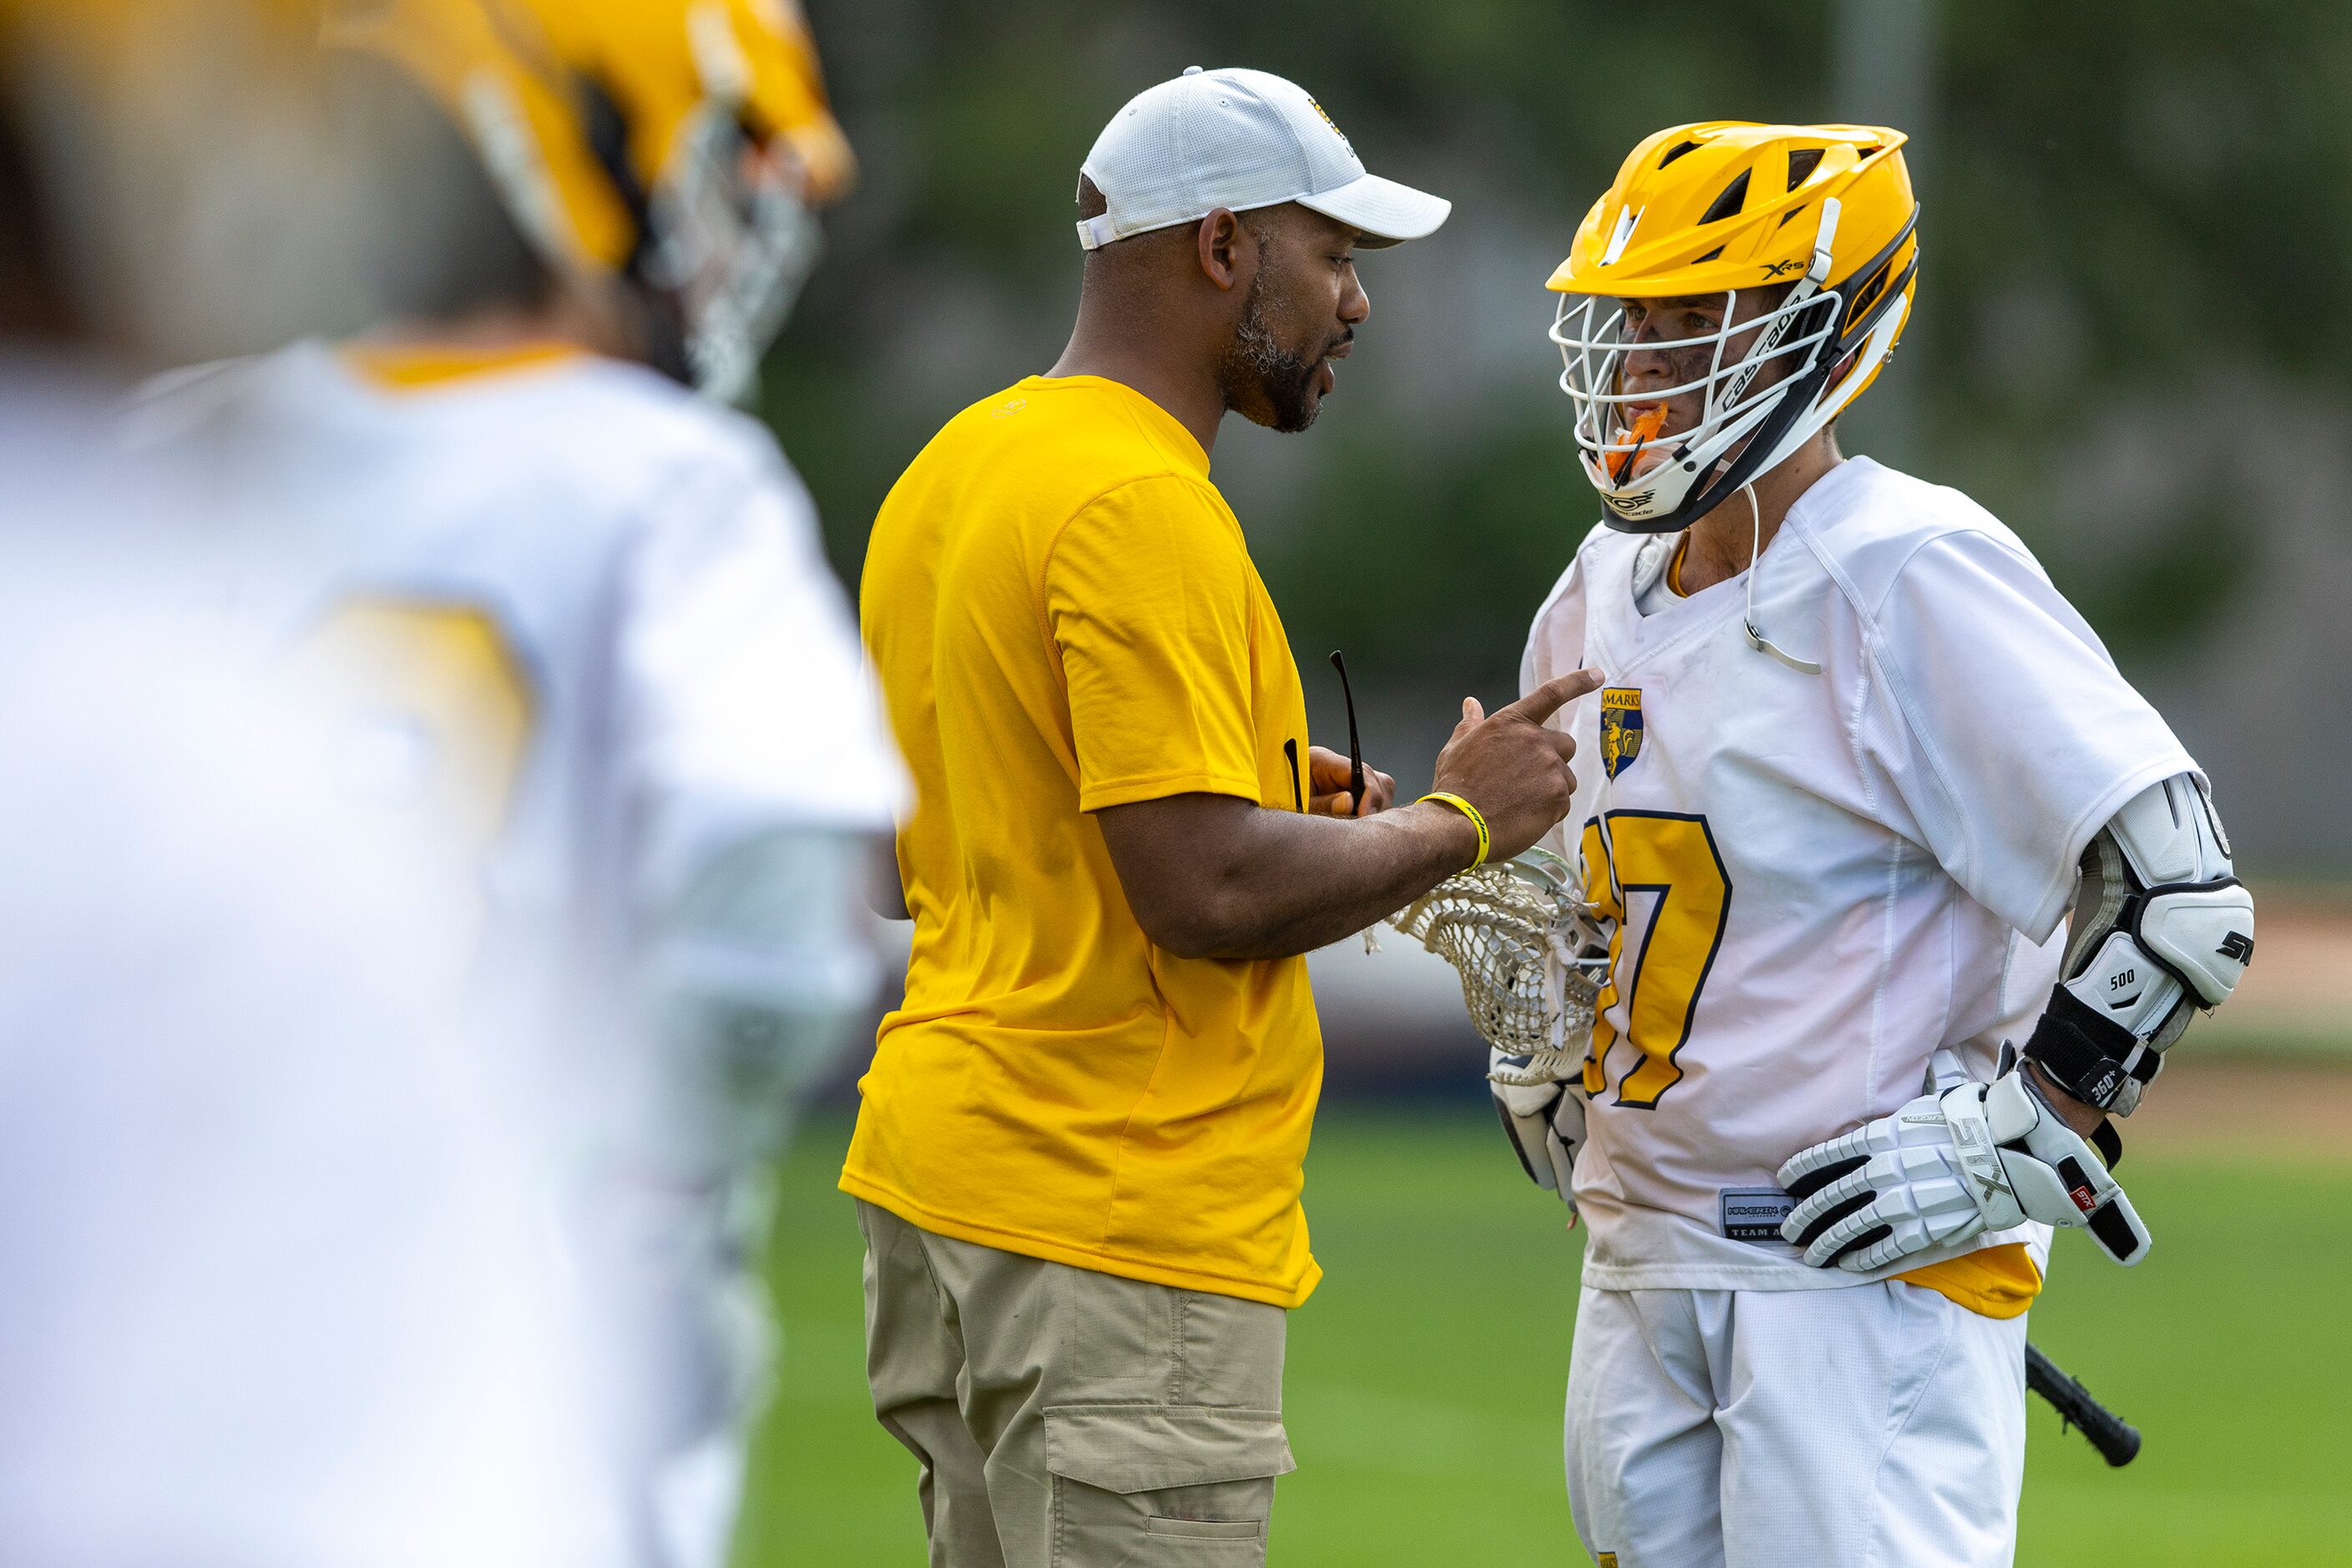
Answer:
(1554, 694)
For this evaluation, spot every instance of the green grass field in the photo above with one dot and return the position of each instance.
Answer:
(1424, 1377)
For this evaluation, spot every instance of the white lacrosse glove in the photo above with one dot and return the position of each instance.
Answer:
(1540, 1102)
(1962, 1159)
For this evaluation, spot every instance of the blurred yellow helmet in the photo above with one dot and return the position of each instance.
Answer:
(166, 165)
(677, 146)
(1822, 216)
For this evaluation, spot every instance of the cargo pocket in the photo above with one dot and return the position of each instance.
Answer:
(1163, 1486)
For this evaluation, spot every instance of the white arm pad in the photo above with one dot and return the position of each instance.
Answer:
(2161, 924)
(2196, 917)
(753, 978)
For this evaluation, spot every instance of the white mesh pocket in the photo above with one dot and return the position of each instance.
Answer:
(1530, 956)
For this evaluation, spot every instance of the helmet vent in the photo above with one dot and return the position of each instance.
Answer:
(1867, 295)
(1801, 165)
(1715, 255)
(1677, 150)
(1734, 197)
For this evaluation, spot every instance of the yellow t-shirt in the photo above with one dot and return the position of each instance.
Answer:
(1063, 615)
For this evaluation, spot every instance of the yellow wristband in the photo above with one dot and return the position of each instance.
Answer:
(1476, 821)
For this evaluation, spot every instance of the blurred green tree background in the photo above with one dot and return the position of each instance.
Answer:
(2134, 338)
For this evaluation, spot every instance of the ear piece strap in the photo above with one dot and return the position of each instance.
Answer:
(1755, 542)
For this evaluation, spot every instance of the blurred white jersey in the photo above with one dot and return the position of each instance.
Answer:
(599, 630)
(603, 631)
(1820, 878)
(609, 595)
(280, 1288)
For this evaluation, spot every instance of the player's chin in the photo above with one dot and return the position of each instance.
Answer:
(1294, 406)
(1287, 398)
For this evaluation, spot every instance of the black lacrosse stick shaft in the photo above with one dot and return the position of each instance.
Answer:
(1355, 746)
(2116, 1440)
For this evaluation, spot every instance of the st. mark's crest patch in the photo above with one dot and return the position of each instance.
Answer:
(1620, 727)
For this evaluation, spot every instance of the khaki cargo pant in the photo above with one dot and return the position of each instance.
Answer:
(1070, 1419)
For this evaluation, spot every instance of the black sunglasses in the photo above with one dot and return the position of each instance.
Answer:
(1355, 746)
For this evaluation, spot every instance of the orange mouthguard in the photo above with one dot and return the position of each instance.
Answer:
(1644, 429)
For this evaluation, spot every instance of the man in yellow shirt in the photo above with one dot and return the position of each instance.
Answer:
(1078, 1160)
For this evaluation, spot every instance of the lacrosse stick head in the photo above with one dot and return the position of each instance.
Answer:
(1531, 955)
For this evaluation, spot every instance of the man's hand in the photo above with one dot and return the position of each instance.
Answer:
(1328, 777)
(1513, 767)
(1211, 876)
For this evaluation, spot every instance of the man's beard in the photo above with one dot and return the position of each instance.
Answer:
(1264, 382)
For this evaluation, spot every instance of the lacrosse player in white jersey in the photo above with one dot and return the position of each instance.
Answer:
(1858, 764)
(277, 1287)
(601, 627)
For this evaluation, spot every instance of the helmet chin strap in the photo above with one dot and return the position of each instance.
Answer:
(1755, 550)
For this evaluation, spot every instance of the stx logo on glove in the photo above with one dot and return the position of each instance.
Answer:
(1963, 1159)
(2237, 945)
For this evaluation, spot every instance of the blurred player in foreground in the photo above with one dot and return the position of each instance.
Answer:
(277, 1290)
(599, 621)
(1857, 761)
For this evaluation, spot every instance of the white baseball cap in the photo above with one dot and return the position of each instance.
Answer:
(1239, 140)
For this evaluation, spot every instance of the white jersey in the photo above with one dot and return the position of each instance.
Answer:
(277, 1290)
(1820, 878)
(603, 634)
(595, 628)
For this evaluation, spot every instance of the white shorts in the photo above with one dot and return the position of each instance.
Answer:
(1881, 1425)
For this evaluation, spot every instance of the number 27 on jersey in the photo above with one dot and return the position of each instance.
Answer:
(1668, 861)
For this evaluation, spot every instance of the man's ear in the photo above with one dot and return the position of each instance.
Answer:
(1228, 251)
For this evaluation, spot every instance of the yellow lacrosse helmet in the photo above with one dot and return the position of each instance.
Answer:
(1822, 215)
(164, 175)
(679, 146)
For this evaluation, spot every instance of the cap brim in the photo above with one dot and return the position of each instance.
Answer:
(1382, 212)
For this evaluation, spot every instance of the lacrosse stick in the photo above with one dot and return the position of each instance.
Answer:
(1531, 955)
